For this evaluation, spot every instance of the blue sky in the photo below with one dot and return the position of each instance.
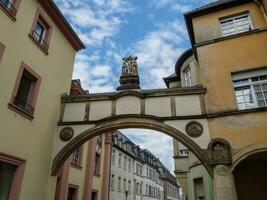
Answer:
(153, 30)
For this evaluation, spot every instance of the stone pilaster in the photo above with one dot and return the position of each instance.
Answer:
(223, 183)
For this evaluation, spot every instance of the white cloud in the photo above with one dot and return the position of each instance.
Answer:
(157, 53)
(156, 142)
(95, 20)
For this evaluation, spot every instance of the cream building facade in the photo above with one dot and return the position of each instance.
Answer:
(138, 174)
(35, 40)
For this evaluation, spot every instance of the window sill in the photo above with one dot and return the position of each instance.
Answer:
(97, 174)
(8, 13)
(76, 166)
(38, 44)
(20, 111)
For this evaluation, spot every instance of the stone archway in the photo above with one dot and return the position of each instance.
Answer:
(128, 121)
(249, 171)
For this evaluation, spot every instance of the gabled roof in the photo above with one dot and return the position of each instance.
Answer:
(209, 8)
(55, 14)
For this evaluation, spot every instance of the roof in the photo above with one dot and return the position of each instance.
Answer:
(143, 155)
(180, 61)
(76, 88)
(58, 18)
(206, 9)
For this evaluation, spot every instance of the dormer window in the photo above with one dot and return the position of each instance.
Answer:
(237, 24)
(188, 77)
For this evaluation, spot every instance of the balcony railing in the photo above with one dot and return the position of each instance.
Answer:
(9, 6)
(39, 40)
(23, 105)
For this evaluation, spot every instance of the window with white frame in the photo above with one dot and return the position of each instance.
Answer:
(119, 184)
(237, 24)
(119, 160)
(251, 89)
(188, 77)
(124, 163)
(129, 165)
(112, 182)
(113, 156)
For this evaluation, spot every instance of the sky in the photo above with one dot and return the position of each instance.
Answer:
(153, 30)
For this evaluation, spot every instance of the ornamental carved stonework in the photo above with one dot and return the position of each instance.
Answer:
(66, 134)
(194, 129)
(219, 152)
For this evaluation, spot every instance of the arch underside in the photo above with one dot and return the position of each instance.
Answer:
(113, 124)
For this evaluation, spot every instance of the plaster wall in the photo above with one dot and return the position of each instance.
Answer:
(217, 63)
(33, 140)
(240, 130)
(200, 172)
(124, 174)
(207, 27)
(203, 140)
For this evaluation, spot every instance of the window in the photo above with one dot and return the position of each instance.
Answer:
(2, 49)
(97, 164)
(76, 160)
(112, 182)
(199, 189)
(72, 192)
(41, 31)
(11, 174)
(188, 77)
(113, 156)
(99, 142)
(124, 185)
(236, 24)
(129, 186)
(251, 89)
(119, 160)
(129, 165)
(94, 195)
(10, 7)
(119, 184)
(183, 152)
(25, 91)
(124, 163)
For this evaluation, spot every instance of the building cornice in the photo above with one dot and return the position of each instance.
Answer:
(55, 14)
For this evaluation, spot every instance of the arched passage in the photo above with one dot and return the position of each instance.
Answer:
(112, 124)
(249, 170)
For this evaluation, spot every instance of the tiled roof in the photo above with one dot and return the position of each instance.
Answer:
(141, 154)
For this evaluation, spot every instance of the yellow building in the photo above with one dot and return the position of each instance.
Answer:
(229, 59)
(37, 50)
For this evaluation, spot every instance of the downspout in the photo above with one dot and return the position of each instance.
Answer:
(263, 10)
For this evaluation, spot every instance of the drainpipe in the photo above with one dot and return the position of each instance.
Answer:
(263, 10)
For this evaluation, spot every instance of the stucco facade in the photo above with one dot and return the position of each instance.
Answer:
(138, 173)
(220, 62)
(30, 136)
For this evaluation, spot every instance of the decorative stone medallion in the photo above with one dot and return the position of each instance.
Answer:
(66, 134)
(194, 129)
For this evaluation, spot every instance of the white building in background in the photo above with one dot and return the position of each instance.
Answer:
(138, 174)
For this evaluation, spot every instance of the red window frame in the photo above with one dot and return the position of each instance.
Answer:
(11, 9)
(98, 164)
(32, 94)
(41, 18)
(2, 49)
(76, 188)
(18, 176)
(77, 164)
